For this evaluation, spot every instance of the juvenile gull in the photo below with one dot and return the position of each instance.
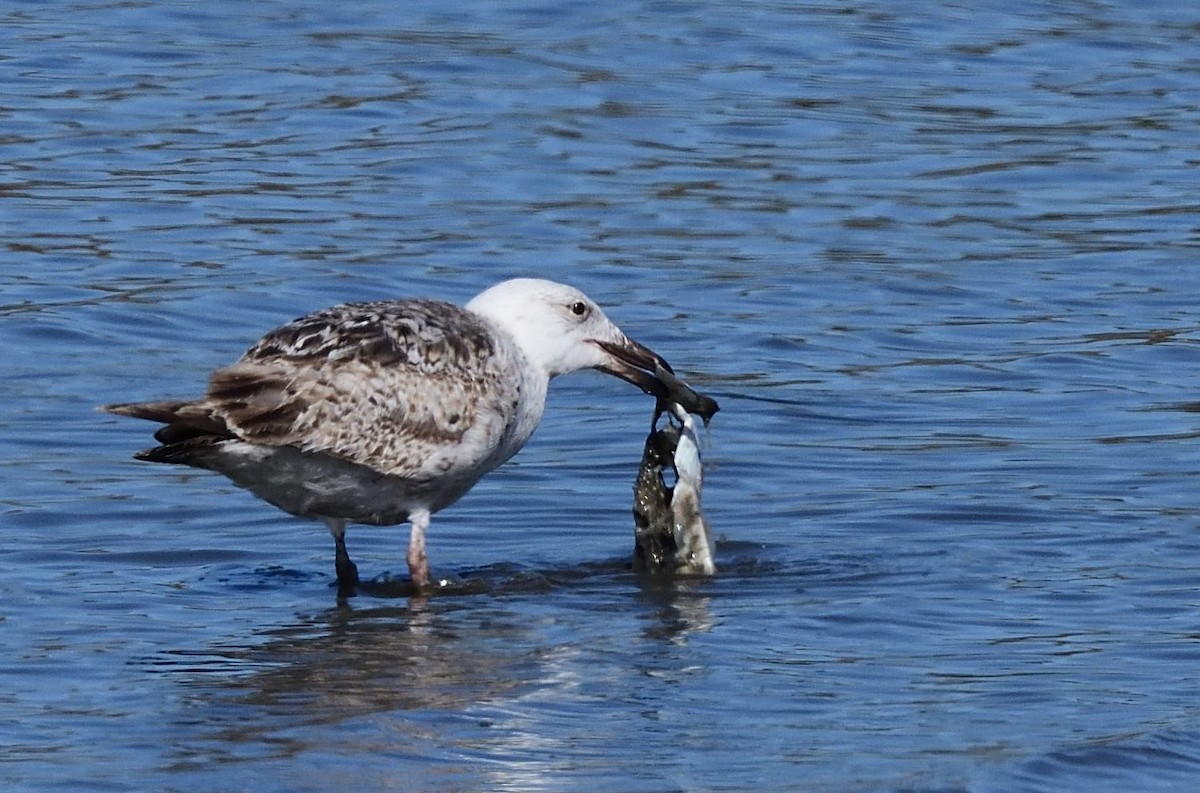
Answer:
(389, 411)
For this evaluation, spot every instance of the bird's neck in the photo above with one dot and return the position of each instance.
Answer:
(527, 416)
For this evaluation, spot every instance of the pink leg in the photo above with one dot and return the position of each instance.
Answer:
(418, 562)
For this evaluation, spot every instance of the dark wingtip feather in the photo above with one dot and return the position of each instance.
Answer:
(189, 451)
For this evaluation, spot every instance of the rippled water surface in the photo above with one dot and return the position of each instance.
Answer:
(938, 262)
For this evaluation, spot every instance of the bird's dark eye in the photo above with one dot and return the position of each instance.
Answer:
(579, 308)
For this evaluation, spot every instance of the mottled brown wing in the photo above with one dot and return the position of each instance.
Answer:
(391, 385)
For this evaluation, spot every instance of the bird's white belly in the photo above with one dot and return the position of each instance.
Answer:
(312, 484)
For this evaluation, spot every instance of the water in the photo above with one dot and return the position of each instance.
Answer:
(937, 261)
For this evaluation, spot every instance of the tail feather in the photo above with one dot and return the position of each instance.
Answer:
(184, 419)
(164, 411)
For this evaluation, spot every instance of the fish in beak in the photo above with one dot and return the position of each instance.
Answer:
(671, 534)
(650, 372)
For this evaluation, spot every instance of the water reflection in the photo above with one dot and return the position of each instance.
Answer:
(487, 688)
(478, 643)
(679, 606)
(288, 689)
(349, 662)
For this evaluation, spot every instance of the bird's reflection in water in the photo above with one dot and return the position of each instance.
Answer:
(348, 662)
(478, 672)
(479, 639)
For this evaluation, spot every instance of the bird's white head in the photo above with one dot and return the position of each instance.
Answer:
(562, 330)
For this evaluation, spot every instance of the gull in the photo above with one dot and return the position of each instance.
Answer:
(386, 412)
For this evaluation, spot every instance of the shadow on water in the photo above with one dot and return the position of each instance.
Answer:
(483, 647)
(481, 636)
(437, 650)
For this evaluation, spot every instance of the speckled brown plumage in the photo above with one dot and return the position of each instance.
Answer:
(387, 385)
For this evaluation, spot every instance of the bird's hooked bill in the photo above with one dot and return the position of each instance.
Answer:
(650, 372)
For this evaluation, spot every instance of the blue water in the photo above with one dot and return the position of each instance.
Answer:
(937, 261)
